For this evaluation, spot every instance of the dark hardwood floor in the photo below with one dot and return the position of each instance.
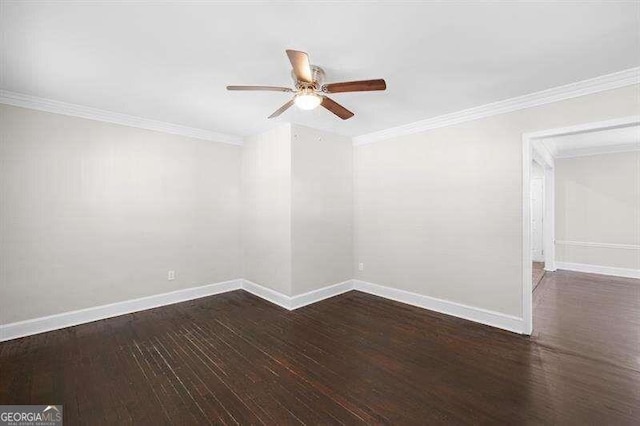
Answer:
(352, 359)
(593, 316)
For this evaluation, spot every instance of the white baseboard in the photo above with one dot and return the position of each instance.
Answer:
(295, 302)
(323, 293)
(483, 316)
(267, 294)
(596, 269)
(68, 319)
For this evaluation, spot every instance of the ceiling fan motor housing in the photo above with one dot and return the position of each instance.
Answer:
(317, 75)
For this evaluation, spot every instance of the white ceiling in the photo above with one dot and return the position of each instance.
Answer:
(171, 62)
(622, 139)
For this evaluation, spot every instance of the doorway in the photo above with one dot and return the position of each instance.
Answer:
(535, 151)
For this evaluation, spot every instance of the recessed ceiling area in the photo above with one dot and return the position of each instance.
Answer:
(171, 62)
(622, 139)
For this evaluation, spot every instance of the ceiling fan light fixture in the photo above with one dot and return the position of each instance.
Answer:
(307, 100)
(309, 88)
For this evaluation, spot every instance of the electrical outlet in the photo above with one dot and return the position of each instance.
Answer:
(171, 275)
(360, 266)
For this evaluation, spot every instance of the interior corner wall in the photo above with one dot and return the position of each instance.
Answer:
(297, 192)
(598, 210)
(322, 209)
(439, 213)
(93, 213)
(266, 209)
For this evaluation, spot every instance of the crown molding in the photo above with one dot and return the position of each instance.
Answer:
(594, 85)
(599, 150)
(74, 110)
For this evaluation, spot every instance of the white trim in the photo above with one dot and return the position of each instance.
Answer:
(82, 316)
(601, 245)
(68, 319)
(599, 150)
(323, 293)
(540, 257)
(550, 218)
(483, 316)
(74, 110)
(267, 294)
(594, 85)
(537, 258)
(598, 126)
(597, 269)
(543, 155)
(527, 266)
(545, 158)
(294, 302)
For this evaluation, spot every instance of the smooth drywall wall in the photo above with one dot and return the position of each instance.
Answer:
(297, 191)
(322, 209)
(93, 213)
(598, 202)
(266, 209)
(439, 213)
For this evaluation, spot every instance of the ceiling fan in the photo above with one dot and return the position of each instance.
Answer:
(310, 88)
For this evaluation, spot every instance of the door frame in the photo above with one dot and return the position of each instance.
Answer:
(544, 201)
(541, 155)
(530, 151)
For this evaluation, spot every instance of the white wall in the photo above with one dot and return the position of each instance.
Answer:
(439, 213)
(322, 209)
(94, 213)
(598, 201)
(266, 209)
(297, 188)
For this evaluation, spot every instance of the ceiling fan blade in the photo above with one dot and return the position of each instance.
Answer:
(355, 86)
(336, 108)
(282, 109)
(267, 88)
(301, 67)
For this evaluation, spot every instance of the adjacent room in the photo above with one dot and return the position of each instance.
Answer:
(319, 212)
(592, 185)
